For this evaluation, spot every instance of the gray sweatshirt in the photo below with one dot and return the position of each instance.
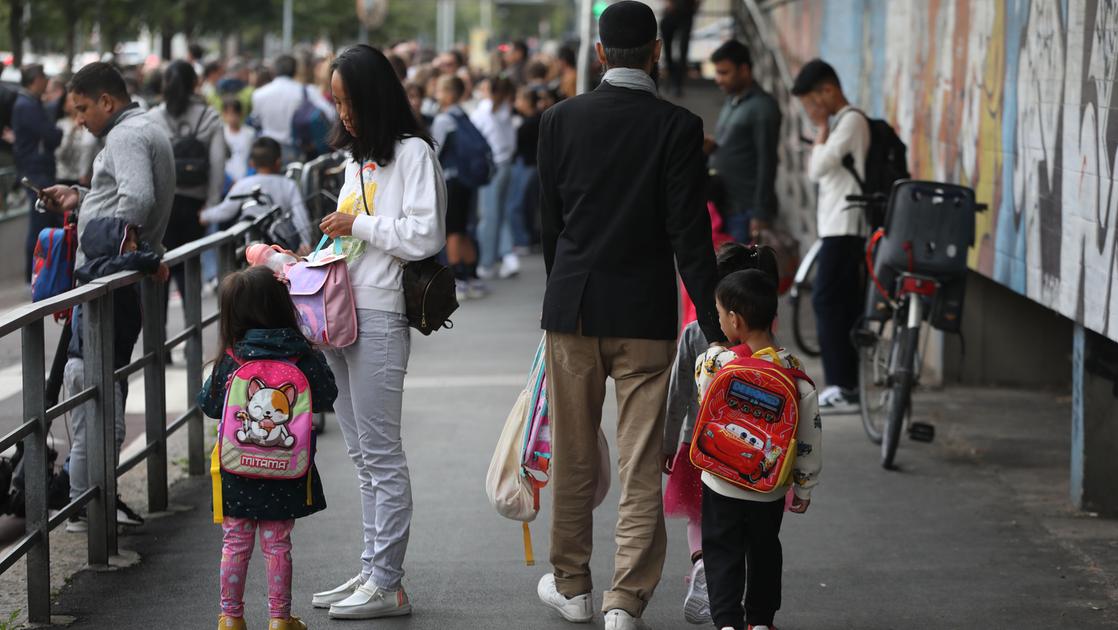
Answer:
(133, 179)
(683, 396)
(203, 122)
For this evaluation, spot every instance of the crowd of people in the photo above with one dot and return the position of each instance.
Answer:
(612, 186)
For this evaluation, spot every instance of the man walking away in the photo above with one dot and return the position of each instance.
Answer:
(679, 19)
(838, 292)
(744, 147)
(622, 179)
(274, 106)
(36, 138)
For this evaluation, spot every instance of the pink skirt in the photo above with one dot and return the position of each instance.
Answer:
(683, 496)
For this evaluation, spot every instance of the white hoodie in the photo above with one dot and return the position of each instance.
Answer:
(406, 221)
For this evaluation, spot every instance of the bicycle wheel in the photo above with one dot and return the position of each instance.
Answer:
(874, 386)
(904, 377)
(803, 315)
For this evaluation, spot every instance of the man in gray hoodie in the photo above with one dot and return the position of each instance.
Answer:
(134, 175)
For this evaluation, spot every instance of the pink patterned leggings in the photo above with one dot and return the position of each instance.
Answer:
(275, 543)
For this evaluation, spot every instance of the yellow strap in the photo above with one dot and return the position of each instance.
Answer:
(529, 558)
(215, 474)
(770, 352)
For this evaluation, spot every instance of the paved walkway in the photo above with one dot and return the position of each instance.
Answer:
(972, 533)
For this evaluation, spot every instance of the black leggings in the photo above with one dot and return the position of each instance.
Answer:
(738, 535)
(838, 298)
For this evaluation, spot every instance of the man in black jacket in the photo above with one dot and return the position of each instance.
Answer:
(622, 176)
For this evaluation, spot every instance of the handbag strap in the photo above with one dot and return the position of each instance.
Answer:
(322, 242)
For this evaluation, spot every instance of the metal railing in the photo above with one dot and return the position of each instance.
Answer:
(96, 300)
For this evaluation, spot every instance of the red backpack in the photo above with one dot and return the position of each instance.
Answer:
(746, 430)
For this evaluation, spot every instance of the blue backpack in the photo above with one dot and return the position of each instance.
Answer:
(310, 128)
(53, 269)
(470, 154)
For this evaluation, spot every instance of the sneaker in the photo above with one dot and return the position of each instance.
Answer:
(126, 515)
(291, 623)
(486, 273)
(577, 609)
(476, 290)
(461, 290)
(618, 619)
(510, 266)
(325, 599)
(226, 622)
(834, 399)
(370, 601)
(696, 606)
(77, 523)
(230, 623)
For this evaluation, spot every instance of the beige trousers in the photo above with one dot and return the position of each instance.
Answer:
(577, 368)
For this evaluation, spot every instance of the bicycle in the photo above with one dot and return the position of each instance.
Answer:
(889, 348)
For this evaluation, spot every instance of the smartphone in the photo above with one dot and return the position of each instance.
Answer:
(26, 183)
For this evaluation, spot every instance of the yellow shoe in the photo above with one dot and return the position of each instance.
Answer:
(291, 623)
(230, 623)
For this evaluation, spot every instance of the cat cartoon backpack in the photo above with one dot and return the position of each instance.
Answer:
(746, 430)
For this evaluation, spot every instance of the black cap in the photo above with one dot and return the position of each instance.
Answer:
(627, 24)
(814, 73)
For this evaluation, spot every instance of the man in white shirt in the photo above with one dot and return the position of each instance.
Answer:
(274, 105)
(838, 291)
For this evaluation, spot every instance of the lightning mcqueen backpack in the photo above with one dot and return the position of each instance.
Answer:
(266, 426)
(746, 430)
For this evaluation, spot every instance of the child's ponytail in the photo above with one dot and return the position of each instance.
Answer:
(737, 257)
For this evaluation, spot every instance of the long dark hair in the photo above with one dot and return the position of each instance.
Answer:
(252, 298)
(179, 82)
(382, 114)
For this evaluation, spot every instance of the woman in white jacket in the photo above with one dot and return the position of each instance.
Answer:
(391, 209)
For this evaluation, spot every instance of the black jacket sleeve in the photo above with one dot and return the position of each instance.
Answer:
(551, 207)
(211, 399)
(143, 260)
(688, 223)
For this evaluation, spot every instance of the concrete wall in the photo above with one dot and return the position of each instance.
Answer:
(1015, 98)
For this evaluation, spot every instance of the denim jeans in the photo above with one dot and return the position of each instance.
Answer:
(737, 226)
(522, 202)
(494, 228)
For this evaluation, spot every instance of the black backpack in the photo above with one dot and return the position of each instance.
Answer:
(886, 162)
(192, 156)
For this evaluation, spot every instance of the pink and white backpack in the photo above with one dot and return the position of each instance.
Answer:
(266, 426)
(323, 296)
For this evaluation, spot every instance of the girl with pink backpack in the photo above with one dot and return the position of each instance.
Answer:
(266, 383)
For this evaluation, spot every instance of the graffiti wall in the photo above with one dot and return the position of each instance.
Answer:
(1015, 98)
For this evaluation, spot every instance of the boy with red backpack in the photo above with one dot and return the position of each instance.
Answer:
(753, 442)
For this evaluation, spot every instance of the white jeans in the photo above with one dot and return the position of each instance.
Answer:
(370, 379)
(73, 379)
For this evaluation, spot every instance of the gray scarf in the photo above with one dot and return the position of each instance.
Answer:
(630, 78)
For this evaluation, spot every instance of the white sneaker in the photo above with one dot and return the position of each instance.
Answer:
(372, 602)
(834, 400)
(486, 273)
(510, 266)
(577, 609)
(696, 606)
(476, 290)
(461, 290)
(325, 599)
(618, 619)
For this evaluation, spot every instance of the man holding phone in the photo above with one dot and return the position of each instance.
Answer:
(133, 175)
(36, 138)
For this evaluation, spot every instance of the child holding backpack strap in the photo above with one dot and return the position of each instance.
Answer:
(741, 526)
(266, 382)
(683, 493)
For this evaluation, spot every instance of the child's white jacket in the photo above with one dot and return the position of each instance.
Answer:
(809, 433)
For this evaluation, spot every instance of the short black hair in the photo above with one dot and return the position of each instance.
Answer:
(752, 295)
(210, 68)
(29, 73)
(815, 74)
(196, 51)
(285, 66)
(734, 257)
(232, 103)
(630, 57)
(520, 46)
(265, 152)
(734, 52)
(382, 114)
(97, 78)
(536, 70)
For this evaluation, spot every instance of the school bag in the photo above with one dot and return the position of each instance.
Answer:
(745, 433)
(470, 154)
(192, 156)
(310, 128)
(521, 464)
(322, 293)
(52, 269)
(886, 163)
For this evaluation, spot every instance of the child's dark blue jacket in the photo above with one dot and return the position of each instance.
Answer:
(271, 499)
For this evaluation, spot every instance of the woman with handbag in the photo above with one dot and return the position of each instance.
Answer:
(391, 212)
